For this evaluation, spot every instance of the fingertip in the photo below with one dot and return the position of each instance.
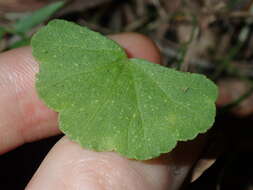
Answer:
(68, 166)
(138, 46)
(24, 117)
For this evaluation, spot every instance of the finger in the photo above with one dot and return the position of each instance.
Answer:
(23, 116)
(142, 48)
(70, 167)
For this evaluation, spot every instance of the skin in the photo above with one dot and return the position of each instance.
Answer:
(24, 118)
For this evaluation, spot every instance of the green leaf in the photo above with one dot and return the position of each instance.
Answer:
(37, 17)
(20, 43)
(2, 32)
(107, 102)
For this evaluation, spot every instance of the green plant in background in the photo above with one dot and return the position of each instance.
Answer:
(28, 22)
(2, 31)
(108, 102)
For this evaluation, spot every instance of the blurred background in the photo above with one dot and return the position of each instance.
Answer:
(211, 37)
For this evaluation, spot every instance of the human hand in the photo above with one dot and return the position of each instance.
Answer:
(24, 118)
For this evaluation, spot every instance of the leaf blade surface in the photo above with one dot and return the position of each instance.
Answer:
(108, 102)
